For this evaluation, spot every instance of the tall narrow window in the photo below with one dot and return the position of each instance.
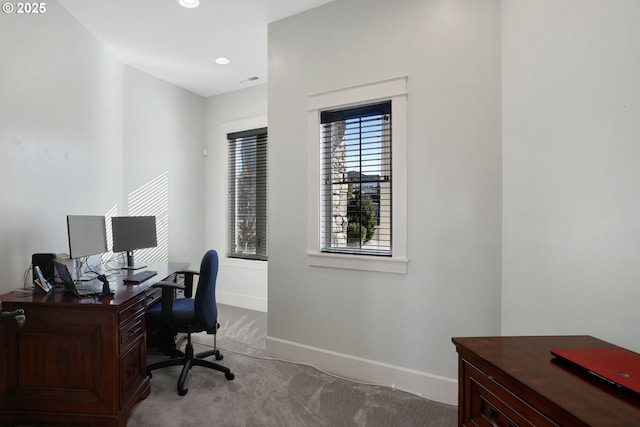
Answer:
(247, 197)
(356, 180)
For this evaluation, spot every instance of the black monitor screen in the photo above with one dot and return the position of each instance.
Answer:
(87, 235)
(133, 232)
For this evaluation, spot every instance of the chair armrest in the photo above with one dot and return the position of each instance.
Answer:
(187, 272)
(171, 285)
(168, 295)
(188, 281)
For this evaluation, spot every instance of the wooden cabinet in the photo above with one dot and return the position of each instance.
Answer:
(491, 404)
(132, 352)
(57, 362)
(515, 382)
(76, 361)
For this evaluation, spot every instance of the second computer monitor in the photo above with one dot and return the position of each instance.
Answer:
(131, 233)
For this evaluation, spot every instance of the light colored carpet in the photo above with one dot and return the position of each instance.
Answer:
(267, 392)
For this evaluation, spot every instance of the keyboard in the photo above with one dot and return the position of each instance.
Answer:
(140, 276)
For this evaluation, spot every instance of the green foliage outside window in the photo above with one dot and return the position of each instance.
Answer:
(361, 214)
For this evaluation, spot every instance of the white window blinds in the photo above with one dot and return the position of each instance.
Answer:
(356, 180)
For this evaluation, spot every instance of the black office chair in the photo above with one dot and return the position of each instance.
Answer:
(188, 315)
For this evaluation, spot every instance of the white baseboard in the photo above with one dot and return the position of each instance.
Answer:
(432, 387)
(244, 301)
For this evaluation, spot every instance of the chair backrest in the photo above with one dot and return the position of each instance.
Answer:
(206, 310)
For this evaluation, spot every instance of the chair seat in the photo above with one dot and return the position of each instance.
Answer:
(182, 314)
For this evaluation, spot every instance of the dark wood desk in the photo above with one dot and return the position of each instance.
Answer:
(77, 360)
(515, 381)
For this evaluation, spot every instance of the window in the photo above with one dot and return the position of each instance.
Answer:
(356, 180)
(247, 195)
(357, 177)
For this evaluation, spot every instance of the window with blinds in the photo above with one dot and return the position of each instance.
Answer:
(247, 195)
(355, 187)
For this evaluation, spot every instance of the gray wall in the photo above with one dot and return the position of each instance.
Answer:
(450, 51)
(571, 137)
(241, 283)
(71, 117)
(164, 133)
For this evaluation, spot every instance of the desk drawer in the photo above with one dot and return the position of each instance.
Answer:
(492, 405)
(131, 323)
(131, 331)
(135, 309)
(153, 295)
(132, 371)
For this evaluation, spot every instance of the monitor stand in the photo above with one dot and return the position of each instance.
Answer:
(130, 264)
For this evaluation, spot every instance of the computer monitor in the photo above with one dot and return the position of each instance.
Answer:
(87, 235)
(131, 233)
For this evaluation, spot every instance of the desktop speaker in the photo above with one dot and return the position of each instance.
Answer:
(45, 262)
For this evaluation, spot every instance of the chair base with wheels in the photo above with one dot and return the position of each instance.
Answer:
(188, 360)
(189, 315)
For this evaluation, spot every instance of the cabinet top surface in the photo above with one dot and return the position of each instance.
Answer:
(525, 364)
(124, 291)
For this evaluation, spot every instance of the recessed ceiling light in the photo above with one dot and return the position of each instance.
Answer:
(189, 3)
(222, 60)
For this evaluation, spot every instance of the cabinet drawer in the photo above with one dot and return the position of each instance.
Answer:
(131, 331)
(132, 371)
(491, 404)
(135, 309)
(153, 295)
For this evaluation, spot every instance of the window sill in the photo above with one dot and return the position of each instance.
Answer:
(245, 263)
(358, 262)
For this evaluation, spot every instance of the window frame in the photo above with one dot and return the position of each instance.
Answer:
(357, 139)
(260, 138)
(221, 155)
(394, 90)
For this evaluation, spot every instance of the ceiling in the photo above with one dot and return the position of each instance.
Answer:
(180, 45)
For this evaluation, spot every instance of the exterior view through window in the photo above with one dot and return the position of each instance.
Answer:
(356, 180)
(247, 195)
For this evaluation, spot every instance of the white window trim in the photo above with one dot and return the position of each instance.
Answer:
(396, 91)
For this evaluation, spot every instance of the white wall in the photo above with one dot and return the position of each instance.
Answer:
(164, 132)
(381, 322)
(71, 118)
(571, 136)
(241, 283)
(60, 134)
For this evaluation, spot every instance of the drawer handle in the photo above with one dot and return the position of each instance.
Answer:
(493, 413)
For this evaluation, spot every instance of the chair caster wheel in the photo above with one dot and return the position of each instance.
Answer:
(229, 376)
(149, 374)
(182, 391)
(219, 355)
